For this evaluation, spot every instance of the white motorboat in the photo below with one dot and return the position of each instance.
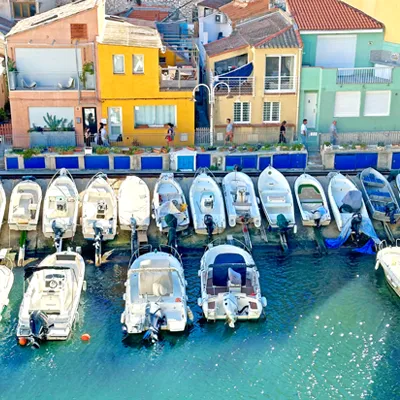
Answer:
(276, 199)
(169, 199)
(25, 202)
(3, 203)
(6, 280)
(312, 201)
(155, 297)
(380, 199)
(99, 213)
(134, 204)
(389, 259)
(230, 287)
(207, 204)
(60, 207)
(240, 199)
(50, 304)
(345, 200)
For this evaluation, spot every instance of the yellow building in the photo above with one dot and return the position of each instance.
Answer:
(260, 61)
(144, 85)
(385, 11)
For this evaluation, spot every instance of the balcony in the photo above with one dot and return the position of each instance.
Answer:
(239, 86)
(354, 76)
(280, 84)
(184, 77)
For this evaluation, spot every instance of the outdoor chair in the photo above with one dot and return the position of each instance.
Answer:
(31, 85)
(70, 84)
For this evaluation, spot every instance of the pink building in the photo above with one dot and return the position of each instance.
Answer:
(55, 56)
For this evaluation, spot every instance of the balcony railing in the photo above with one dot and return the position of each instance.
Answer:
(31, 80)
(351, 76)
(179, 78)
(238, 85)
(280, 83)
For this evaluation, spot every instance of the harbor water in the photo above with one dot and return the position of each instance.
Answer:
(331, 332)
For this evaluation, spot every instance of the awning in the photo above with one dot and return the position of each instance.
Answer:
(242, 72)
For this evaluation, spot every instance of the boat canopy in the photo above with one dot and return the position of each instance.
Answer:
(353, 200)
(221, 273)
(229, 258)
(242, 72)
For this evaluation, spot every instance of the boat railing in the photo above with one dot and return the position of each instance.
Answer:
(232, 241)
(171, 250)
(100, 174)
(147, 248)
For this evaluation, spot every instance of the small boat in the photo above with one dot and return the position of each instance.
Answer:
(389, 259)
(230, 287)
(169, 199)
(155, 297)
(3, 203)
(312, 201)
(207, 204)
(99, 213)
(60, 208)
(25, 202)
(345, 199)
(6, 280)
(380, 199)
(50, 304)
(276, 199)
(134, 204)
(240, 199)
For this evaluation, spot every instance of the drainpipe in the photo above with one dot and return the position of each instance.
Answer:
(77, 69)
(298, 87)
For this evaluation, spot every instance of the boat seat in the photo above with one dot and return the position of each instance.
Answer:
(276, 199)
(311, 201)
(278, 205)
(275, 192)
(20, 212)
(50, 302)
(239, 204)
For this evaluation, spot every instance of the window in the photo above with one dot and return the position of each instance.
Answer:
(24, 10)
(347, 104)
(115, 121)
(118, 64)
(272, 111)
(138, 63)
(241, 112)
(79, 31)
(377, 103)
(154, 116)
(279, 73)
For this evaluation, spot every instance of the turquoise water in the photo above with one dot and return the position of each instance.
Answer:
(332, 331)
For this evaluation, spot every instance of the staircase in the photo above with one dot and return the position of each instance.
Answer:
(314, 161)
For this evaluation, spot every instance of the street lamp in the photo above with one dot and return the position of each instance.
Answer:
(211, 101)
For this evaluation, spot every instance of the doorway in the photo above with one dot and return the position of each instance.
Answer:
(310, 108)
(89, 122)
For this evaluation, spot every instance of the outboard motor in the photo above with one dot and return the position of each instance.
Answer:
(39, 325)
(134, 244)
(154, 320)
(210, 225)
(318, 216)
(282, 223)
(230, 306)
(356, 224)
(390, 210)
(172, 223)
(59, 230)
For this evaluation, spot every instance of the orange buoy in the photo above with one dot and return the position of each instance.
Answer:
(22, 341)
(85, 337)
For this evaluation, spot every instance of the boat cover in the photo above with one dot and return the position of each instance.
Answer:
(366, 228)
(353, 199)
(168, 208)
(229, 258)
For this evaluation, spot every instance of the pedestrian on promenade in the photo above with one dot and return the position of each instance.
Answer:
(334, 134)
(88, 136)
(170, 135)
(282, 133)
(303, 132)
(104, 135)
(229, 131)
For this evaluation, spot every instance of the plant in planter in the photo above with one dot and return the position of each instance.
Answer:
(65, 150)
(211, 148)
(363, 146)
(149, 149)
(102, 150)
(345, 146)
(115, 150)
(157, 151)
(87, 76)
(190, 148)
(12, 74)
(297, 146)
(202, 149)
(327, 146)
(381, 146)
(29, 153)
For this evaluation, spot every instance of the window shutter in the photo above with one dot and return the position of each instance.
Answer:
(377, 103)
(79, 31)
(347, 104)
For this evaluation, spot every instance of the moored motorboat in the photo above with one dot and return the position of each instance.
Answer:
(312, 201)
(134, 204)
(207, 204)
(60, 208)
(240, 199)
(389, 259)
(25, 202)
(155, 296)
(276, 199)
(6, 280)
(380, 199)
(50, 304)
(230, 286)
(169, 199)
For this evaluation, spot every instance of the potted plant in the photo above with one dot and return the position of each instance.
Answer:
(157, 151)
(202, 149)
(363, 146)
(190, 148)
(211, 148)
(381, 146)
(102, 150)
(29, 153)
(87, 76)
(327, 146)
(12, 74)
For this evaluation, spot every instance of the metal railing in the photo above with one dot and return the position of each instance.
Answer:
(175, 78)
(351, 76)
(369, 138)
(238, 85)
(280, 83)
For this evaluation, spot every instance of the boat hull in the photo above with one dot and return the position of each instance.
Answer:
(6, 283)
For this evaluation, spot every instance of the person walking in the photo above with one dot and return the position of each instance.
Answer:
(103, 135)
(88, 137)
(282, 133)
(303, 132)
(334, 134)
(229, 131)
(170, 135)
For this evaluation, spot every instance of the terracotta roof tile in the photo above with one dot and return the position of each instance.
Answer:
(157, 13)
(241, 10)
(328, 15)
(213, 3)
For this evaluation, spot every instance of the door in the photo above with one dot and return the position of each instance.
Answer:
(310, 109)
(89, 121)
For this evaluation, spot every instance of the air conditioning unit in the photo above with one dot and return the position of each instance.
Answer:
(220, 18)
